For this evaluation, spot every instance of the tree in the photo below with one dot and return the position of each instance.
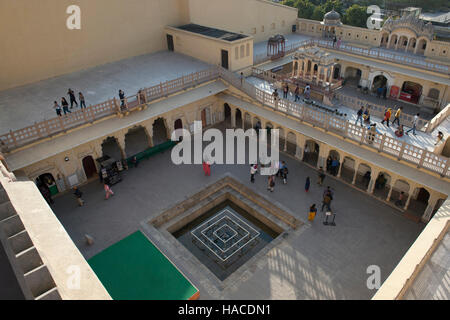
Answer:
(318, 13)
(305, 9)
(337, 5)
(356, 16)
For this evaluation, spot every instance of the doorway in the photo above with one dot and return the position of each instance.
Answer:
(89, 167)
(225, 59)
(170, 42)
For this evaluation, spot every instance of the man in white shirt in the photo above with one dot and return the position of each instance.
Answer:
(416, 118)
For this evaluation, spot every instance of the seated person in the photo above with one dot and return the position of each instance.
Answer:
(366, 116)
(399, 132)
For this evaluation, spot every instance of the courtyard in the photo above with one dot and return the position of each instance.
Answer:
(313, 262)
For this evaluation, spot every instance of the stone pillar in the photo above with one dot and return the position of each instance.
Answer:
(121, 142)
(285, 140)
(407, 44)
(149, 132)
(300, 145)
(408, 200)
(323, 154)
(430, 207)
(233, 117)
(373, 177)
(388, 198)
(357, 163)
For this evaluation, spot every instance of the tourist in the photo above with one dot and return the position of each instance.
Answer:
(380, 183)
(307, 91)
(65, 106)
(285, 91)
(359, 116)
(78, 194)
(334, 166)
(82, 101)
(253, 170)
(307, 184)
(57, 108)
(399, 132)
(321, 176)
(397, 115)
(387, 116)
(366, 178)
(45, 191)
(366, 116)
(334, 41)
(297, 93)
(440, 137)
(207, 168)
(271, 183)
(242, 78)
(122, 98)
(339, 42)
(72, 98)
(372, 132)
(416, 118)
(284, 172)
(379, 92)
(135, 161)
(326, 202)
(328, 166)
(108, 191)
(399, 201)
(312, 212)
(275, 95)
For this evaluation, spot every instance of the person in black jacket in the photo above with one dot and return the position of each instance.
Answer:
(78, 194)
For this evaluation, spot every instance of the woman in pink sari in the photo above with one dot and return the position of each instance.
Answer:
(108, 191)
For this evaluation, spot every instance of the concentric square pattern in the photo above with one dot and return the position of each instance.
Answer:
(224, 234)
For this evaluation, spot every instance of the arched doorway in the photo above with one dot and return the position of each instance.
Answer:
(311, 153)
(47, 186)
(348, 169)
(410, 92)
(382, 185)
(159, 131)
(238, 118)
(411, 45)
(418, 205)
(384, 40)
(89, 167)
(403, 42)
(393, 41)
(380, 81)
(206, 117)
(421, 46)
(352, 76)
(227, 113)
(111, 148)
(363, 176)
(337, 71)
(333, 162)
(136, 140)
(397, 189)
(178, 124)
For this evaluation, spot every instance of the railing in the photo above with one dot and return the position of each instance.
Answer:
(47, 128)
(381, 143)
(437, 120)
(379, 53)
(378, 110)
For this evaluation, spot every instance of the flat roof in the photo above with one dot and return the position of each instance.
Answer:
(212, 32)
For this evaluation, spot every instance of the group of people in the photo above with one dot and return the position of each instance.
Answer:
(64, 106)
(337, 42)
(332, 165)
(306, 92)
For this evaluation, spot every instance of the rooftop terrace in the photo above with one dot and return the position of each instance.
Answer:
(212, 32)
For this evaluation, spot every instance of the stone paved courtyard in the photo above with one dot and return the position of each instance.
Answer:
(314, 262)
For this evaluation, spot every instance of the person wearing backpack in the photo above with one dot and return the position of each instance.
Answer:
(78, 194)
(359, 116)
(327, 197)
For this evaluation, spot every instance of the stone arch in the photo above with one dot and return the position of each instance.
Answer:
(382, 185)
(247, 121)
(402, 43)
(46, 184)
(419, 201)
(111, 148)
(363, 176)
(348, 169)
(384, 39)
(421, 46)
(411, 44)
(352, 75)
(333, 162)
(398, 187)
(159, 129)
(311, 152)
(136, 140)
(291, 143)
(238, 118)
(433, 93)
(393, 41)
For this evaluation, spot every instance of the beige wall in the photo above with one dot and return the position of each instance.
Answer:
(38, 45)
(240, 52)
(244, 16)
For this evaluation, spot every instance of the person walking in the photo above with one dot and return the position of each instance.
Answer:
(312, 212)
(387, 116)
(253, 170)
(440, 137)
(321, 176)
(108, 191)
(122, 98)
(78, 194)
(334, 41)
(285, 91)
(416, 118)
(241, 76)
(82, 101)
(297, 93)
(339, 42)
(326, 202)
(208, 168)
(307, 184)
(57, 108)
(397, 115)
(72, 98)
(359, 116)
(65, 106)
(271, 183)
(284, 172)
